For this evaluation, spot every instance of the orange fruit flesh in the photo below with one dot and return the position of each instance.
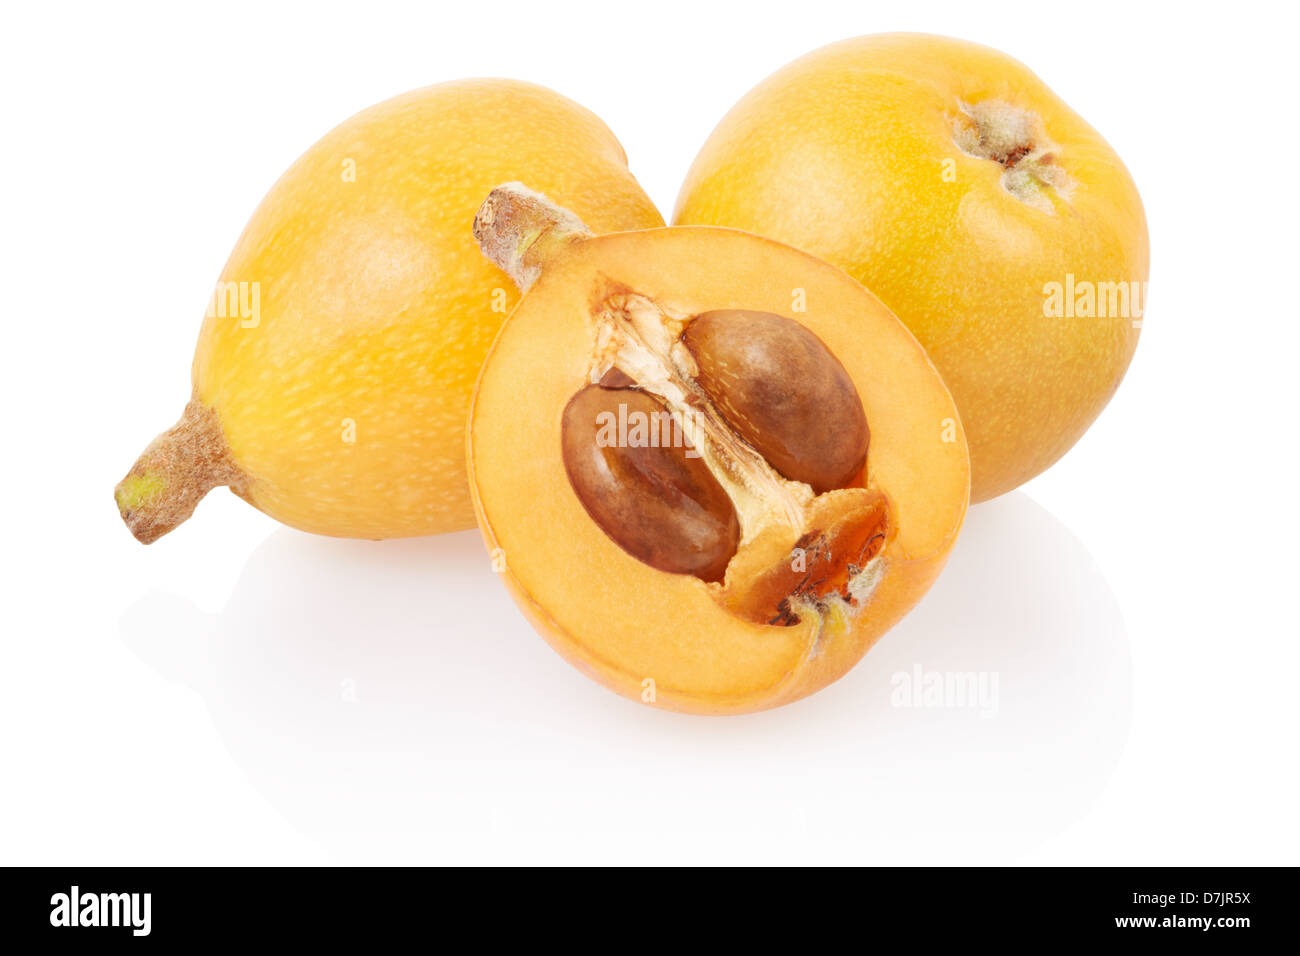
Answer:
(634, 627)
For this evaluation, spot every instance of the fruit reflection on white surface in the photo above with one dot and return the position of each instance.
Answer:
(388, 699)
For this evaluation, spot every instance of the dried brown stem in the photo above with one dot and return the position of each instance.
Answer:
(173, 474)
(519, 229)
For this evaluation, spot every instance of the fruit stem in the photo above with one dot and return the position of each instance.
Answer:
(519, 230)
(173, 474)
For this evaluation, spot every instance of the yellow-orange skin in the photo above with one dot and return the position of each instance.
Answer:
(377, 308)
(621, 621)
(849, 153)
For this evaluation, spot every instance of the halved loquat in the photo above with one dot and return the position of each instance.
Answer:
(711, 469)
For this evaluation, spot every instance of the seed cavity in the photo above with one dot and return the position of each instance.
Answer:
(827, 565)
(730, 445)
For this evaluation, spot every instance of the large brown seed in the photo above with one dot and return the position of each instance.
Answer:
(783, 392)
(629, 465)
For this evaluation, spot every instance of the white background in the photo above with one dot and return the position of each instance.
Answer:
(184, 703)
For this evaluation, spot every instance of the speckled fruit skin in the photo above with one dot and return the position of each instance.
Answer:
(376, 307)
(849, 153)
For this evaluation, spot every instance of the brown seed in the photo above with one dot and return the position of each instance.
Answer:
(628, 463)
(617, 378)
(783, 392)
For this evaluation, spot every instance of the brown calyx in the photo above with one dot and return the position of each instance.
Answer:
(997, 131)
(1013, 138)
